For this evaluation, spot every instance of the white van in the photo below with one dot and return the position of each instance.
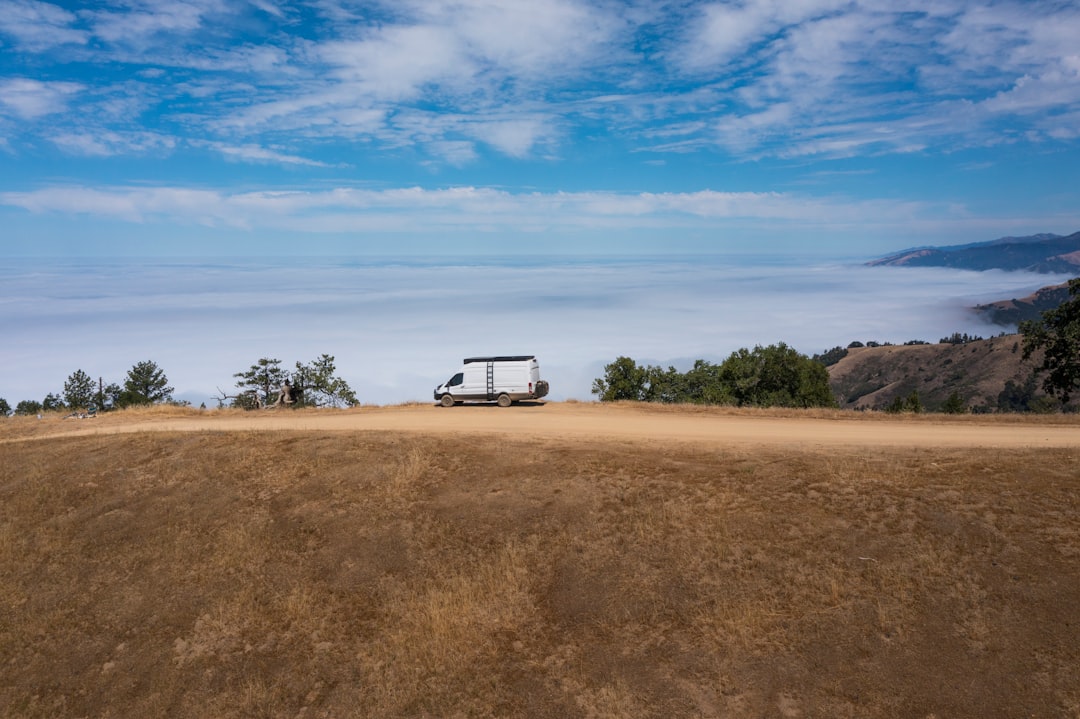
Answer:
(493, 379)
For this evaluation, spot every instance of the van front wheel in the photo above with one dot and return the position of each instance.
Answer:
(447, 401)
(504, 400)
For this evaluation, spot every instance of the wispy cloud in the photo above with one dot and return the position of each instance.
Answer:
(134, 205)
(765, 78)
(839, 78)
(255, 153)
(418, 209)
(38, 26)
(110, 144)
(30, 99)
(146, 22)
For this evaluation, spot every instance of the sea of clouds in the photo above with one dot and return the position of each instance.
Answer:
(397, 328)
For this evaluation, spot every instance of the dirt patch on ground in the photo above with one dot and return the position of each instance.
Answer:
(633, 422)
(615, 563)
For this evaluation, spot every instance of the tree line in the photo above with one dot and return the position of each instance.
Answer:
(831, 356)
(311, 384)
(773, 376)
(145, 383)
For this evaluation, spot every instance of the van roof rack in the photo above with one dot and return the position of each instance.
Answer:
(504, 358)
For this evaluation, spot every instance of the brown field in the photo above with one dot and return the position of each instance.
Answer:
(567, 560)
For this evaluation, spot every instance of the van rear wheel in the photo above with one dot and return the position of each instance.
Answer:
(447, 401)
(504, 400)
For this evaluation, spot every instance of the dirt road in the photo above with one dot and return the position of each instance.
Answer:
(631, 423)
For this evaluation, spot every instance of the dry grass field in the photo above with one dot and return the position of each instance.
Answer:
(216, 569)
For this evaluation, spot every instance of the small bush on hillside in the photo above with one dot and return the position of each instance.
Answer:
(954, 404)
(911, 403)
(832, 356)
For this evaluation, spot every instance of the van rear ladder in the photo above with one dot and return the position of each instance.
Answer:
(490, 381)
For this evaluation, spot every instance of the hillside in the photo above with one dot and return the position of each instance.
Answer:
(224, 572)
(872, 377)
(1037, 253)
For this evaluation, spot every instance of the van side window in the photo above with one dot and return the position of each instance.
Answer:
(456, 379)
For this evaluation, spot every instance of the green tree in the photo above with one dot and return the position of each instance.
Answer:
(317, 384)
(1057, 334)
(911, 403)
(145, 383)
(1024, 398)
(623, 379)
(260, 384)
(28, 407)
(1016, 397)
(79, 390)
(765, 376)
(52, 402)
(5, 408)
(314, 384)
(665, 386)
(110, 396)
(776, 376)
(954, 404)
(704, 384)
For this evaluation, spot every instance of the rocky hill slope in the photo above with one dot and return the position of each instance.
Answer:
(978, 371)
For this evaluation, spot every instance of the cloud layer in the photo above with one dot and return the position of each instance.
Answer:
(398, 328)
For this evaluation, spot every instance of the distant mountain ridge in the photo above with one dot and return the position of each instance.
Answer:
(1046, 253)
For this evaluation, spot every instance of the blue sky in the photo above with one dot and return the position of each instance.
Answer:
(259, 128)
